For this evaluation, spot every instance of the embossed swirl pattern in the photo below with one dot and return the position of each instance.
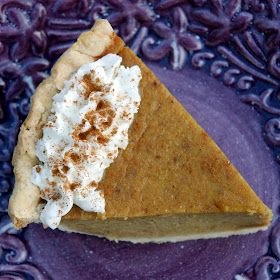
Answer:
(236, 42)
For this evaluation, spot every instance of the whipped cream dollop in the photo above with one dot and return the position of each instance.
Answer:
(87, 125)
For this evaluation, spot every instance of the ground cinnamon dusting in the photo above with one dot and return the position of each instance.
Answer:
(109, 115)
(65, 169)
(50, 194)
(125, 115)
(91, 117)
(73, 156)
(56, 196)
(101, 139)
(102, 104)
(73, 186)
(114, 131)
(107, 123)
(84, 135)
(90, 86)
(56, 171)
(104, 110)
(51, 183)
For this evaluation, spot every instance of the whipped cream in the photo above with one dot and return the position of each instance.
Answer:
(88, 124)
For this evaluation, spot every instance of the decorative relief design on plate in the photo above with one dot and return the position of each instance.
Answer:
(14, 261)
(175, 39)
(235, 41)
(222, 20)
(267, 267)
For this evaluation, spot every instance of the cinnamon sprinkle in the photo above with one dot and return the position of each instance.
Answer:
(91, 117)
(51, 183)
(74, 157)
(73, 186)
(83, 136)
(65, 169)
(101, 139)
(125, 115)
(105, 111)
(102, 104)
(50, 194)
(114, 131)
(56, 171)
(90, 86)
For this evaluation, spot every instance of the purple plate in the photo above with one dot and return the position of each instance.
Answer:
(217, 58)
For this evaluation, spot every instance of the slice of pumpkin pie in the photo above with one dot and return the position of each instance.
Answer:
(107, 150)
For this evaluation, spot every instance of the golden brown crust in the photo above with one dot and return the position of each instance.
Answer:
(90, 45)
(171, 165)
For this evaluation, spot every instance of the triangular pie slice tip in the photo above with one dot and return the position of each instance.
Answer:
(171, 183)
